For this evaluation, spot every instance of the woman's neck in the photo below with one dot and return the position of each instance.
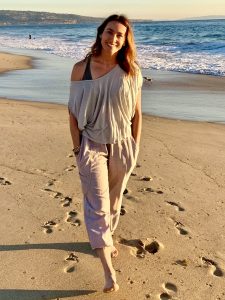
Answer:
(107, 59)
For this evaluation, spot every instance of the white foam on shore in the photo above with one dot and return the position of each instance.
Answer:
(171, 59)
(51, 45)
(155, 57)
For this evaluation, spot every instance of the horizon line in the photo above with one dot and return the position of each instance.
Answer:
(135, 18)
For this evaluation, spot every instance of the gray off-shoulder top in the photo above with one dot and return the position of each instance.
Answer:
(104, 107)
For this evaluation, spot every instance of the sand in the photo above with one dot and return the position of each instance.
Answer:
(171, 238)
(11, 62)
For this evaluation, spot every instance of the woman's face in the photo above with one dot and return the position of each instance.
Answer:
(113, 37)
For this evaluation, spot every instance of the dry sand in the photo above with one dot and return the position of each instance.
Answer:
(171, 239)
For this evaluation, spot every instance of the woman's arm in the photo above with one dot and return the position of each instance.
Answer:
(74, 130)
(76, 74)
(136, 125)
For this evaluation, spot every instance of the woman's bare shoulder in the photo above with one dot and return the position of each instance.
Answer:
(78, 70)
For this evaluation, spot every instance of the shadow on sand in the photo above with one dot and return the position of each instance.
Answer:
(20, 294)
(41, 294)
(78, 247)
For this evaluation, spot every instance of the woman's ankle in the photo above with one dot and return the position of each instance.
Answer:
(111, 276)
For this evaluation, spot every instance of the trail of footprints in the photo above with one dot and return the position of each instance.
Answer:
(178, 225)
(72, 217)
(140, 249)
(65, 201)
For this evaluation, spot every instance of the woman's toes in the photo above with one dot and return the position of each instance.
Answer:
(110, 283)
(112, 288)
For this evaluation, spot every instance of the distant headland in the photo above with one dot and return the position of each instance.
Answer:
(14, 17)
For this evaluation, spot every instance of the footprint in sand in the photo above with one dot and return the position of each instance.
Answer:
(50, 182)
(48, 226)
(70, 168)
(133, 174)
(152, 247)
(140, 248)
(170, 287)
(213, 266)
(65, 201)
(164, 296)
(72, 259)
(72, 218)
(181, 262)
(127, 195)
(53, 194)
(4, 181)
(150, 190)
(180, 227)
(177, 206)
(125, 192)
(69, 269)
(122, 210)
(146, 178)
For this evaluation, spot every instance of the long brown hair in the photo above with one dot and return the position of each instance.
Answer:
(126, 56)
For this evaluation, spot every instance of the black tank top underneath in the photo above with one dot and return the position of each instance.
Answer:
(87, 72)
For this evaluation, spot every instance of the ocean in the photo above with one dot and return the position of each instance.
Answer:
(196, 47)
(185, 46)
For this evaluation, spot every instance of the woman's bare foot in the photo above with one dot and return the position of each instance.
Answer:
(114, 252)
(110, 285)
(105, 255)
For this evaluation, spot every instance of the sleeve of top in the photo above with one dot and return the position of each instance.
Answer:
(76, 105)
(72, 101)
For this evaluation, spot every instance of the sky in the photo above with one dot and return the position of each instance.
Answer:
(141, 9)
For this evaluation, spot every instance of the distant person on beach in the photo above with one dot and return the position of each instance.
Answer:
(105, 124)
(29, 36)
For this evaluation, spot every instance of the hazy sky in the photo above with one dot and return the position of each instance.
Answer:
(150, 9)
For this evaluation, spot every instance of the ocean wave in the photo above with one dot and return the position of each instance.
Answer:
(161, 58)
(191, 57)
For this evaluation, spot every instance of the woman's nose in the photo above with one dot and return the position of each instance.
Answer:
(113, 38)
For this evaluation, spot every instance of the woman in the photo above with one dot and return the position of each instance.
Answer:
(105, 125)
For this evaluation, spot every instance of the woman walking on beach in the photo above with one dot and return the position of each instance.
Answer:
(105, 125)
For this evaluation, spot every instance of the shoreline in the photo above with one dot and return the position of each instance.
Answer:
(13, 62)
(49, 105)
(173, 95)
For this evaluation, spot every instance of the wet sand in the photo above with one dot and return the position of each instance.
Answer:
(171, 235)
(11, 62)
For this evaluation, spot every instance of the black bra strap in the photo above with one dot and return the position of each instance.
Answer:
(87, 72)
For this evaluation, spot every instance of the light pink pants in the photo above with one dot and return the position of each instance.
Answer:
(104, 171)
